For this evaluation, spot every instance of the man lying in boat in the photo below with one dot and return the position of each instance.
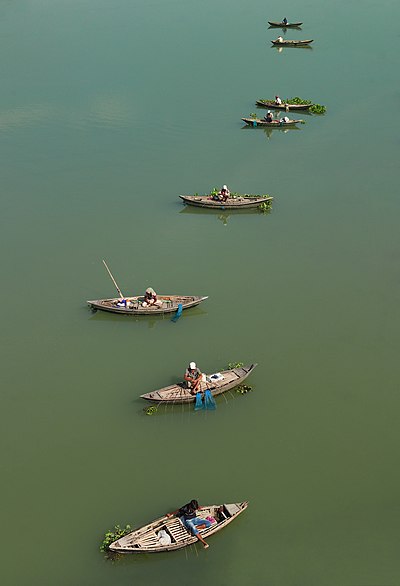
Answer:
(223, 194)
(150, 298)
(284, 120)
(193, 378)
(194, 524)
(268, 117)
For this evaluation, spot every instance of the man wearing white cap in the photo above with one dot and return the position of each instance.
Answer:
(193, 378)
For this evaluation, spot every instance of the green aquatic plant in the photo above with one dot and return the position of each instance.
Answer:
(265, 207)
(150, 410)
(317, 109)
(243, 389)
(232, 365)
(114, 534)
(253, 115)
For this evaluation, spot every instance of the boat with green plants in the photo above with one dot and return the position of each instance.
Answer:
(134, 305)
(285, 43)
(168, 533)
(236, 201)
(284, 25)
(274, 124)
(217, 383)
(295, 103)
(284, 106)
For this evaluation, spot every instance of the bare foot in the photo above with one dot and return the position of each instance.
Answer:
(206, 546)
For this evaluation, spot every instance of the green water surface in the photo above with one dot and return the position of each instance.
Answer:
(109, 111)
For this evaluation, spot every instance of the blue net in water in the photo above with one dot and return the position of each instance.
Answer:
(209, 401)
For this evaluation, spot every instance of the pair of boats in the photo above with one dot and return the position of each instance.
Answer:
(282, 42)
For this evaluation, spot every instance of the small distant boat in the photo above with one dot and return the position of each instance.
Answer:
(133, 305)
(149, 539)
(273, 124)
(285, 43)
(283, 25)
(232, 203)
(283, 106)
(217, 383)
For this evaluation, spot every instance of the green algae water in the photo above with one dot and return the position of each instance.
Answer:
(109, 111)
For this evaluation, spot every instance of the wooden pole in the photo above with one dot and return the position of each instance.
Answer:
(113, 280)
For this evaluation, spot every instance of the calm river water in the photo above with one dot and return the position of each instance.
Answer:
(109, 111)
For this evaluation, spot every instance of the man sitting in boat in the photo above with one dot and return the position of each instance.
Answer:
(268, 117)
(194, 524)
(193, 378)
(279, 40)
(278, 101)
(285, 20)
(223, 194)
(150, 298)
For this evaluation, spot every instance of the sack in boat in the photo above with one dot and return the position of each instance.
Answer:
(163, 537)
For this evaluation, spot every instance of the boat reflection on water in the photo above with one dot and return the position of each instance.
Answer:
(280, 48)
(284, 29)
(268, 131)
(221, 215)
(105, 316)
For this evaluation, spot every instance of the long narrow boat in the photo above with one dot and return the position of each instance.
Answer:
(283, 106)
(175, 535)
(274, 124)
(283, 25)
(217, 383)
(285, 43)
(133, 305)
(232, 203)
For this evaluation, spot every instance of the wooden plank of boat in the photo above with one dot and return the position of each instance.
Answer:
(146, 540)
(273, 124)
(232, 203)
(283, 25)
(134, 306)
(284, 106)
(179, 393)
(285, 43)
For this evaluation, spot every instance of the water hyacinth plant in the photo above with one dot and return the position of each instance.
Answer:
(232, 365)
(243, 389)
(114, 534)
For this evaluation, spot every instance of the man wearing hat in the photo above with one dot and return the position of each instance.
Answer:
(150, 298)
(193, 378)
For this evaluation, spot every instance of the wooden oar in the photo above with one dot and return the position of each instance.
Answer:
(113, 280)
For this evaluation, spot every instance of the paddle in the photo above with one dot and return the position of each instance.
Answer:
(113, 280)
(178, 313)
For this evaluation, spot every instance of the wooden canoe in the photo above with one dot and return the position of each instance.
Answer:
(283, 25)
(170, 304)
(146, 539)
(178, 393)
(274, 124)
(285, 43)
(232, 203)
(283, 106)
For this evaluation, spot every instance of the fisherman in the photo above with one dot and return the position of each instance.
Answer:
(223, 194)
(268, 117)
(279, 39)
(150, 299)
(193, 378)
(194, 524)
(285, 20)
(278, 101)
